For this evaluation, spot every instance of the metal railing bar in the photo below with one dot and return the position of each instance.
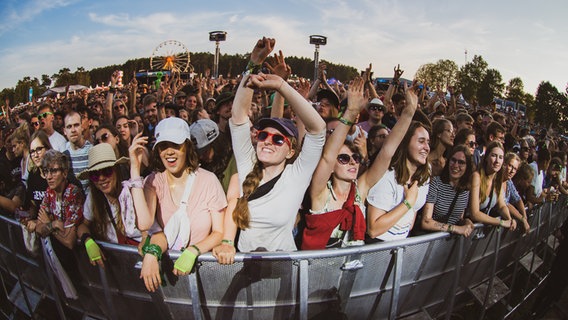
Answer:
(398, 254)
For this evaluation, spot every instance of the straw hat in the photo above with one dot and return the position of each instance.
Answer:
(101, 156)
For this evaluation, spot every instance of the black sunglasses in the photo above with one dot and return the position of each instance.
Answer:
(375, 107)
(472, 144)
(344, 158)
(458, 161)
(103, 138)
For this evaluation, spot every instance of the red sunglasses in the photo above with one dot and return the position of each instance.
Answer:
(277, 139)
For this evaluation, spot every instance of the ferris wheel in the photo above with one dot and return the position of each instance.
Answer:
(171, 55)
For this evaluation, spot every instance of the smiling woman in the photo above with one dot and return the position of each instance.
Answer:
(395, 199)
(187, 201)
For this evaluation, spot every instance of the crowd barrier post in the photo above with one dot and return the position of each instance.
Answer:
(106, 290)
(397, 274)
(19, 270)
(455, 283)
(493, 270)
(51, 281)
(304, 287)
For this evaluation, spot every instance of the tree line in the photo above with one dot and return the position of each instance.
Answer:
(476, 81)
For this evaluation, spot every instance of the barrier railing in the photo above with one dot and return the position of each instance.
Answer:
(379, 281)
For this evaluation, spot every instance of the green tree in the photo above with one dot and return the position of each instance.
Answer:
(442, 73)
(548, 104)
(470, 76)
(491, 86)
(515, 91)
(21, 92)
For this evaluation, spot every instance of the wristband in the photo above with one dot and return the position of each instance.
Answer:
(451, 228)
(345, 121)
(251, 68)
(196, 248)
(185, 262)
(84, 237)
(93, 250)
(229, 242)
(500, 222)
(407, 204)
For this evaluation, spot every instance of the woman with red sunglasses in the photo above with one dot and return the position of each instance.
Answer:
(337, 209)
(275, 175)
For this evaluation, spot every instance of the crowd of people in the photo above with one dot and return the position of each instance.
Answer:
(261, 162)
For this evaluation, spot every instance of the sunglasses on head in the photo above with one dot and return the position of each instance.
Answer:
(277, 139)
(95, 176)
(44, 115)
(103, 138)
(344, 158)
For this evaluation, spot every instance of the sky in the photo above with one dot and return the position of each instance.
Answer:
(525, 39)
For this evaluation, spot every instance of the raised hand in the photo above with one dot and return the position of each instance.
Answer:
(322, 74)
(367, 73)
(261, 50)
(397, 72)
(304, 87)
(279, 66)
(355, 98)
(411, 96)
(265, 81)
(137, 150)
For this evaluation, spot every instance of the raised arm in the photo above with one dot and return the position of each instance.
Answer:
(145, 199)
(243, 97)
(381, 164)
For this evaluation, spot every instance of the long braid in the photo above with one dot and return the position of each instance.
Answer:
(241, 214)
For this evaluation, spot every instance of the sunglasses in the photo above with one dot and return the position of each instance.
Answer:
(472, 144)
(47, 171)
(95, 176)
(118, 106)
(44, 115)
(35, 124)
(277, 139)
(382, 136)
(344, 158)
(375, 107)
(458, 161)
(36, 150)
(525, 149)
(103, 138)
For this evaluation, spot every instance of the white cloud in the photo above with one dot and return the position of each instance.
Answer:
(27, 11)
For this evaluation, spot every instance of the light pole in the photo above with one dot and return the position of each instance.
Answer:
(217, 36)
(317, 40)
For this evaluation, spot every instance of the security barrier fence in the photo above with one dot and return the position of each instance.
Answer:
(428, 275)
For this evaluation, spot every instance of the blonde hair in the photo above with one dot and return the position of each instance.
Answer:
(498, 179)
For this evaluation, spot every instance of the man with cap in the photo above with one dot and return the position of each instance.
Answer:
(180, 98)
(328, 104)
(376, 110)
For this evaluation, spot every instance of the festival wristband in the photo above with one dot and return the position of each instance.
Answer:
(185, 262)
(152, 249)
(229, 242)
(345, 121)
(196, 249)
(93, 250)
(407, 204)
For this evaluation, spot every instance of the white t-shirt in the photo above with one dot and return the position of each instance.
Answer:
(57, 141)
(538, 179)
(273, 215)
(386, 195)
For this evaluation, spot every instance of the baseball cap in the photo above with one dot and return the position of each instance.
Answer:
(284, 125)
(203, 132)
(172, 129)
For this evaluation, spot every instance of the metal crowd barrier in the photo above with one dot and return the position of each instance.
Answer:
(432, 273)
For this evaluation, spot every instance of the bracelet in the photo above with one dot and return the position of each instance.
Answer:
(451, 228)
(500, 222)
(152, 249)
(196, 248)
(229, 242)
(251, 68)
(407, 204)
(134, 183)
(345, 121)
(84, 237)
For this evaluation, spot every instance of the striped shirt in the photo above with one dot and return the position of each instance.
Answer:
(79, 160)
(442, 195)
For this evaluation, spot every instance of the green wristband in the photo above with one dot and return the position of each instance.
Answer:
(186, 261)
(229, 242)
(407, 204)
(93, 250)
(345, 121)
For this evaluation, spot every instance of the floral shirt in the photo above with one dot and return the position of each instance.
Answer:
(69, 209)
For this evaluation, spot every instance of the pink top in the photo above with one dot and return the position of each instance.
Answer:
(206, 198)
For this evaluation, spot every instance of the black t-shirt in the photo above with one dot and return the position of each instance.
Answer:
(36, 189)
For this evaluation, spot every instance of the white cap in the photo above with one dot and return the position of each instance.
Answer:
(172, 129)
